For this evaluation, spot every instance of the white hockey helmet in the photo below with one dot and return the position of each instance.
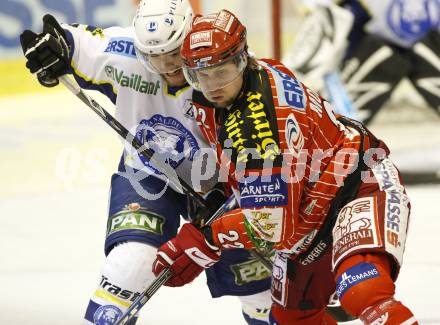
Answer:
(160, 27)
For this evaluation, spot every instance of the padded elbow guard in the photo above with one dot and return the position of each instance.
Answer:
(366, 290)
(363, 281)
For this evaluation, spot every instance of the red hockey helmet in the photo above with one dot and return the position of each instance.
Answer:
(213, 40)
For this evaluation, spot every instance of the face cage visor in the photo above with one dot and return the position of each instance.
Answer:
(160, 63)
(211, 78)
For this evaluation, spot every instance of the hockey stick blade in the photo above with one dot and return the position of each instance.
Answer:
(166, 273)
(124, 133)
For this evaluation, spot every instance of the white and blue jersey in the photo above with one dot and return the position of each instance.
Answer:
(158, 116)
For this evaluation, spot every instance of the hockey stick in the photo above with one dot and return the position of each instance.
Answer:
(166, 273)
(339, 96)
(264, 259)
(124, 133)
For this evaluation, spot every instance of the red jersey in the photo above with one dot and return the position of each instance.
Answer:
(285, 155)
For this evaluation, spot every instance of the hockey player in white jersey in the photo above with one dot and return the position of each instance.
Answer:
(375, 44)
(139, 69)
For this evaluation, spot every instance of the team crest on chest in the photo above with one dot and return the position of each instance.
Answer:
(169, 140)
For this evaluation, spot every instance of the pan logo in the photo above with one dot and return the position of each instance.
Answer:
(411, 20)
(168, 139)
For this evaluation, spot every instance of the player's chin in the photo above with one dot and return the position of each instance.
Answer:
(220, 101)
(175, 78)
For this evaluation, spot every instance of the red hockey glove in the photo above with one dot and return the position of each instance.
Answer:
(187, 255)
(183, 268)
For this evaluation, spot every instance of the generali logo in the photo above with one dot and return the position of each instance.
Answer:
(347, 224)
(355, 228)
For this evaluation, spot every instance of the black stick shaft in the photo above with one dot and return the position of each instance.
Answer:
(123, 132)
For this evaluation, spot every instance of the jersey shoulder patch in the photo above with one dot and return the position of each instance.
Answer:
(289, 89)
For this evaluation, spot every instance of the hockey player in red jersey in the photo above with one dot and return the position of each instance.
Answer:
(320, 189)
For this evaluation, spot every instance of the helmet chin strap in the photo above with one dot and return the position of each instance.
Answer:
(245, 74)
